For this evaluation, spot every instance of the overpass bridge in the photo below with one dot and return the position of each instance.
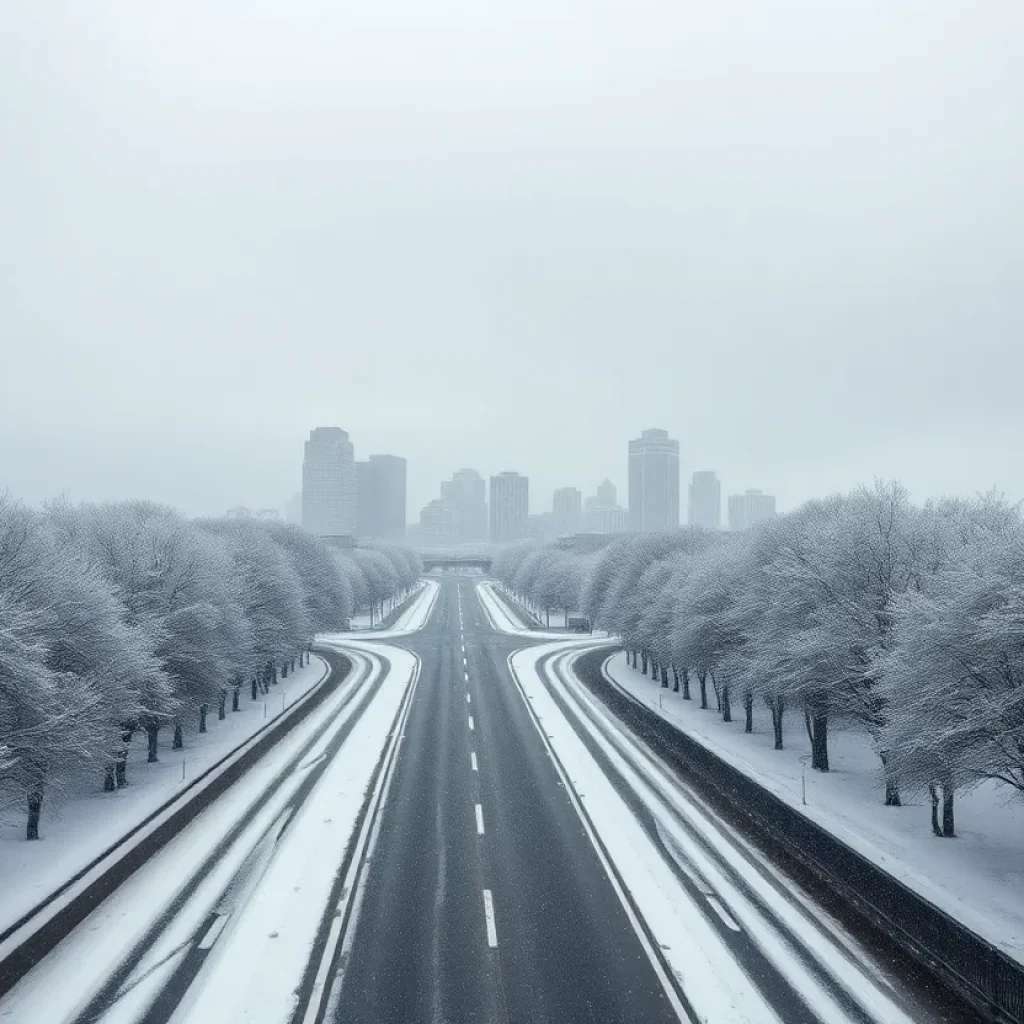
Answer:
(449, 562)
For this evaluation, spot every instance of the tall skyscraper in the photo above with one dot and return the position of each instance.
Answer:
(566, 508)
(606, 493)
(439, 523)
(705, 504)
(467, 492)
(380, 498)
(329, 483)
(749, 508)
(510, 506)
(653, 482)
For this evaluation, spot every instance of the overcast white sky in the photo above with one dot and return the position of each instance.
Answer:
(510, 236)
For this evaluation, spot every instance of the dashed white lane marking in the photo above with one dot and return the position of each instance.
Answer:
(492, 931)
(479, 820)
(472, 760)
(466, 674)
(214, 930)
(470, 723)
(469, 699)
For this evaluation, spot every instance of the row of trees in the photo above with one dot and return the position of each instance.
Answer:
(905, 620)
(126, 617)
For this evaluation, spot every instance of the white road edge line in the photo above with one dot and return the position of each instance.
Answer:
(606, 863)
(356, 875)
(492, 931)
(472, 760)
(479, 820)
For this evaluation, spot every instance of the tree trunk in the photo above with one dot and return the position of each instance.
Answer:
(121, 761)
(686, 684)
(817, 729)
(777, 707)
(35, 809)
(933, 792)
(892, 782)
(748, 712)
(643, 662)
(253, 687)
(547, 616)
(725, 704)
(234, 698)
(664, 678)
(153, 734)
(178, 741)
(702, 678)
(718, 692)
(273, 674)
(675, 679)
(109, 778)
(948, 831)
(223, 703)
(202, 717)
(284, 670)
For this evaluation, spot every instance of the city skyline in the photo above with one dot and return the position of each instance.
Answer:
(465, 512)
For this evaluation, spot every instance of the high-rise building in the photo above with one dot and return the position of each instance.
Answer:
(705, 504)
(510, 505)
(653, 482)
(605, 519)
(566, 507)
(467, 493)
(380, 498)
(602, 514)
(329, 483)
(438, 523)
(749, 508)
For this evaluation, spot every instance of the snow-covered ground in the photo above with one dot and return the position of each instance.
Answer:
(727, 897)
(361, 621)
(88, 820)
(977, 877)
(503, 619)
(412, 619)
(256, 876)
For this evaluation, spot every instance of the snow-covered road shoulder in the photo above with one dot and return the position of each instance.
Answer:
(977, 878)
(410, 621)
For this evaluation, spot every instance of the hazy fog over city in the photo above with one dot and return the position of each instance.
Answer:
(787, 233)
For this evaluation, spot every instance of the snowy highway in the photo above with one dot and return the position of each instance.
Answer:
(461, 832)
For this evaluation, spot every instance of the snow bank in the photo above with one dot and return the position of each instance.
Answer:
(412, 619)
(978, 878)
(504, 620)
(78, 830)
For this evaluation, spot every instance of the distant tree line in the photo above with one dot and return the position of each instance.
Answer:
(905, 620)
(126, 618)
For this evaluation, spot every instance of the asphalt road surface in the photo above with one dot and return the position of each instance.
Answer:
(485, 898)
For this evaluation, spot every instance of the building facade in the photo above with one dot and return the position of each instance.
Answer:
(438, 525)
(467, 492)
(566, 511)
(749, 508)
(705, 500)
(380, 498)
(653, 482)
(329, 483)
(510, 505)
